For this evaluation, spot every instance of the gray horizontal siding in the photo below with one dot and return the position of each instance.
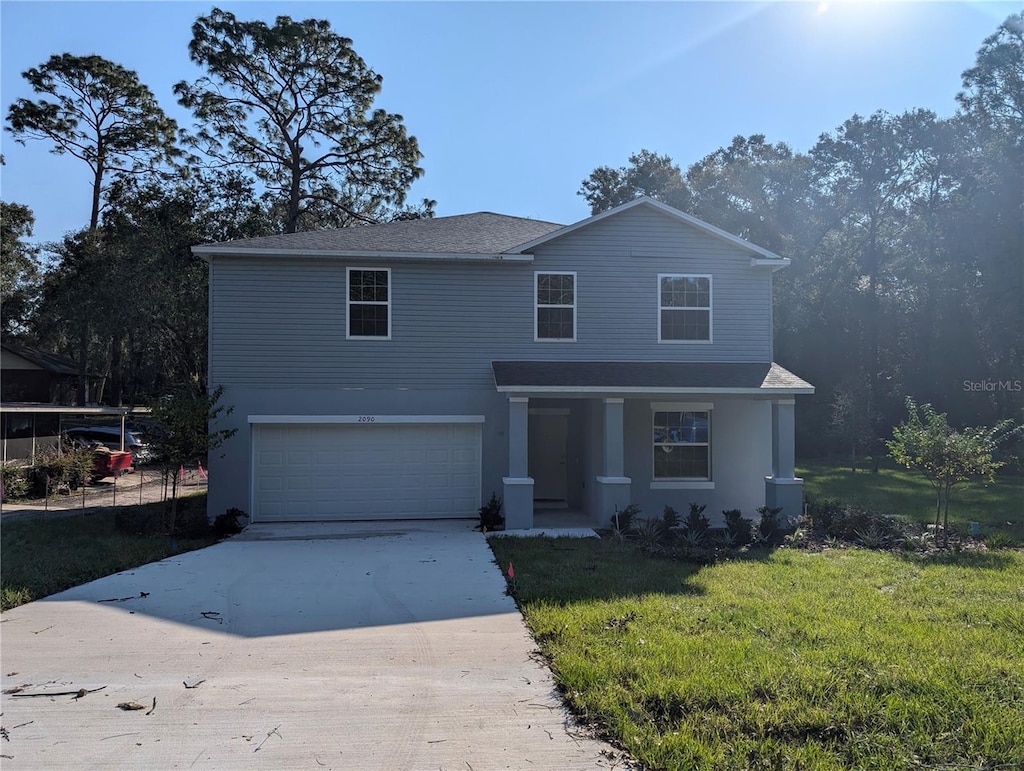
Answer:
(281, 322)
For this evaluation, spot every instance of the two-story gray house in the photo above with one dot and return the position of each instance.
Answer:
(408, 370)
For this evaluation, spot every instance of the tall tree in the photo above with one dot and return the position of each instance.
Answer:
(869, 170)
(102, 114)
(19, 266)
(994, 86)
(648, 174)
(293, 103)
(97, 111)
(987, 237)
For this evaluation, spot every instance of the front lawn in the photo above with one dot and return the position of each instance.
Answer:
(44, 556)
(787, 659)
(998, 506)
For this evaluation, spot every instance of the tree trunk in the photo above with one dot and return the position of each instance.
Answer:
(97, 189)
(872, 330)
(945, 518)
(82, 395)
(116, 379)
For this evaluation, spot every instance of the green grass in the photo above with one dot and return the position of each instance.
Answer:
(784, 660)
(42, 557)
(998, 506)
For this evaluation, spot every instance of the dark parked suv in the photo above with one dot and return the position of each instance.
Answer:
(109, 436)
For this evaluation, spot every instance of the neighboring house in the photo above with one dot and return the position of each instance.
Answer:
(407, 370)
(37, 389)
(32, 375)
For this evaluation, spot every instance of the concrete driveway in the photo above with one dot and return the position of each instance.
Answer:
(392, 649)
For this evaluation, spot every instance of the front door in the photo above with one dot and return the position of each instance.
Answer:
(548, 433)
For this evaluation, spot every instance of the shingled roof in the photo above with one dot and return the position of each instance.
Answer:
(51, 362)
(646, 376)
(480, 233)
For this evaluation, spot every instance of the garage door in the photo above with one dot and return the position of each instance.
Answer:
(352, 472)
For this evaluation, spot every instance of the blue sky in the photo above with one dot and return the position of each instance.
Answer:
(515, 103)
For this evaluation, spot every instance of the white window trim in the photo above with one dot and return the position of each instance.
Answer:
(683, 483)
(709, 309)
(537, 306)
(348, 303)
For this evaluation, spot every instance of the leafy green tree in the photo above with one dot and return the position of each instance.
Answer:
(186, 430)
(985, 235)
(162, 299)
(100, 113)
(19, 267)
(293, 104)
(868, 171)
(753, 189)
(648, 174)
(851, 423)
(925, 442)
(994, 86)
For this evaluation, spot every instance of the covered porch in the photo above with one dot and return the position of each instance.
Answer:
(590, 438)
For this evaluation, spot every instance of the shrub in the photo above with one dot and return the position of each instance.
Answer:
(70, 468)
(769, 528)
(227, 523)
(670, 518)
(822, 514)
(832, 519)
(491, 517)
(738, 529)
(695, 526)
(1000, 540)
(623, 520)
(15, 481)
(649, 533)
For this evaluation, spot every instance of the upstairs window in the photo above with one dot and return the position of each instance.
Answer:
(682, 444)
(369, 303)
(684, 309)
(556, 306)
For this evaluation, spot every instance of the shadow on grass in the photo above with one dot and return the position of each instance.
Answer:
(981, 560)
(563, 570)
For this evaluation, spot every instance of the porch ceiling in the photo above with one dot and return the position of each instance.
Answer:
(641, 377)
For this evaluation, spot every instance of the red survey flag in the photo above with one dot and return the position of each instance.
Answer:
(511, 571)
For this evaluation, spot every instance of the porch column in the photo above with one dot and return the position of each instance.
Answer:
(783, 489)
(518, 486)
(613, 488)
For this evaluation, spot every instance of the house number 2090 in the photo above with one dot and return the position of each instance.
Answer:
(367, 419)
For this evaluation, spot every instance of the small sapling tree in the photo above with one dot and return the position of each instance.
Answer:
(926, 443)
(186, 422)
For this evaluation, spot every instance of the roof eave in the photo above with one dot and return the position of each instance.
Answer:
(656, 390)
(773, 265)
(207, 252)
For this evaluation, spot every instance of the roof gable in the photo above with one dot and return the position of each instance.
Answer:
(51, 362)
(705, 227)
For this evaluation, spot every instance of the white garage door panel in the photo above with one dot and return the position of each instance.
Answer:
(339, 472)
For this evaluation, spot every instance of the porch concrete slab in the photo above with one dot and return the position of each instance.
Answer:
(383, 651)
